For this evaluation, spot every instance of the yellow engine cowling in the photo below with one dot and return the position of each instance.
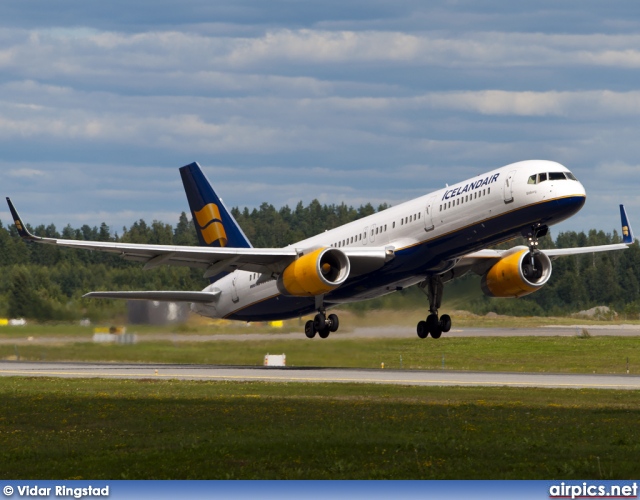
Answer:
(513, 276)
(316, 273)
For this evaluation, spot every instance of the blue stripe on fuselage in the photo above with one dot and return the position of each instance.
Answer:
(421, 259)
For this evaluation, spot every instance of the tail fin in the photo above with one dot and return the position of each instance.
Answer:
(215, 226)
(627, 232)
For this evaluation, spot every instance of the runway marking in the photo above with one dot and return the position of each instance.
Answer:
(320, 379)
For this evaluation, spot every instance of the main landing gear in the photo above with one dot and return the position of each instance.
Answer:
(433, 288)
(321, 324)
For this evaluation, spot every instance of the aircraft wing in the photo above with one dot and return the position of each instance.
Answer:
(213, 260)
(482, 260)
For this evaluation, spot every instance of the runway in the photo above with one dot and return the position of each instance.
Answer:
(317, 375)
(396, 332)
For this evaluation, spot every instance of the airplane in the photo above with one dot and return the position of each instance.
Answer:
(427, 242)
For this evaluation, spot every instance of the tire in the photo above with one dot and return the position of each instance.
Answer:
(445, 323)
(309, 330)
(433, 326)
(319, 322)
(324, 333)
(422, 330)
(432, 322)
(335, 322)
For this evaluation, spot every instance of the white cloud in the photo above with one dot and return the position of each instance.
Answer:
(28, 173)
(280, 111)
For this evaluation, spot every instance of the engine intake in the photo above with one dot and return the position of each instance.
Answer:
(514, 276)
(316, 273)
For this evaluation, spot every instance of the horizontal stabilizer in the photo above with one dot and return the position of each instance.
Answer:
(168, 296)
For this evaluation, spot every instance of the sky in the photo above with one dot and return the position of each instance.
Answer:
(284, 101)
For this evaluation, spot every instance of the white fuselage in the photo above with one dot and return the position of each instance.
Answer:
(426, 234)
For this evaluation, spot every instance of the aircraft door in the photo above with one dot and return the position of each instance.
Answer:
(508, 187)
(234, 290)
(429, 216)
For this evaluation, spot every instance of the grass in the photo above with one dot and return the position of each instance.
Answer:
(132, 429)
(577, 354)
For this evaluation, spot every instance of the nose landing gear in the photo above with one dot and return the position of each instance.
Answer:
(434, 326)
(529, 269)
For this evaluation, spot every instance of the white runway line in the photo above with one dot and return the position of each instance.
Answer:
(319, 375)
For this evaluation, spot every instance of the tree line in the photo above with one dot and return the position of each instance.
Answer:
(46, 283)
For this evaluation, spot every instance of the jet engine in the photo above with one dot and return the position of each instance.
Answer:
(316, 273)
(515, 275)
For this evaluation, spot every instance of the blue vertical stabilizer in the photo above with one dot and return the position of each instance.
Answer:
(215, 225)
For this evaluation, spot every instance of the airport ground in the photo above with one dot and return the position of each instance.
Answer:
(149, 429)
(167, 429)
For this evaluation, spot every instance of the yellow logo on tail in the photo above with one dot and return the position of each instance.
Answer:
(625, 230)
(210, 223)
(18, 225)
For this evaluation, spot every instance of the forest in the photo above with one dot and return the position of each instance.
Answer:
(46, 283)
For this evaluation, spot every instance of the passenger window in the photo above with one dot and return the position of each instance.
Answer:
(488, 190)
(542, 177)
(484, 191)
(532, 180)
(394, 225)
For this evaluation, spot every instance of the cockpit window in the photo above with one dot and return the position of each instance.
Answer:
(542, 177)
(532, 180)
(557, 176)
(570, 176)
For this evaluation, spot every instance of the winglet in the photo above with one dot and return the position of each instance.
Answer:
(627, 233)
(22, 229)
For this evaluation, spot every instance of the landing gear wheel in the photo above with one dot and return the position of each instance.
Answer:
(433, 288)
(432, 322)
(445, 323)
(333, 322)
(309, 330)
(433, 326)
(422, 330)
(324, 333)
(319, 322)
